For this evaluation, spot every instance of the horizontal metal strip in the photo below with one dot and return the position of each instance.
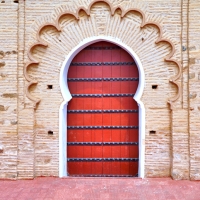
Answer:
(102, 159)
(102, 127)
(102, 48)
(102, 111)
(84, 111)
(101, 63)
(103, 95)
(100, 143)
(87, 95)
(120, 111)
(101, 79)
(84, 79)
(103, 175)
(121, 79)
(118, 95)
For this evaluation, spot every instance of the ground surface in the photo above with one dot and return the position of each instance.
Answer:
(100, 189)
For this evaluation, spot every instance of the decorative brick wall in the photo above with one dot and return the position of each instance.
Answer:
(194, 89)
(8, 89)
(26, 148)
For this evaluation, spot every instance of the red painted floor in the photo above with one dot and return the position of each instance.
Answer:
(100, 189)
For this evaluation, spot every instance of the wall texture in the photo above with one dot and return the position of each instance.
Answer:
(28, 110)
(8, 89)
(194, 84)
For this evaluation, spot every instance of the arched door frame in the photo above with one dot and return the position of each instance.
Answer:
(67, 97)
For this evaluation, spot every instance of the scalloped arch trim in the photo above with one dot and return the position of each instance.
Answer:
(40, 42)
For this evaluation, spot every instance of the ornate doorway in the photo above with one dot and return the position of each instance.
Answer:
(102, 119)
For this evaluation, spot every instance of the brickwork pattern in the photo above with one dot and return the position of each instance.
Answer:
(104, 24)
(194, 89)
(8, 90)
(26, 149)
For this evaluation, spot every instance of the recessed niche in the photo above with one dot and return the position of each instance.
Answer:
(184, 48)
(16, 1)
(154, 87)
(50, 132)
(152, 132)
(2, 1)
(49, 87)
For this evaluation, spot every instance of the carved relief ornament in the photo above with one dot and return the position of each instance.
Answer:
(40, 42)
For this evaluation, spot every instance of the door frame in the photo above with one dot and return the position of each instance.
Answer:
(67, 97)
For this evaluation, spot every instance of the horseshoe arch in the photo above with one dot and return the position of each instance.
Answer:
(78, 47)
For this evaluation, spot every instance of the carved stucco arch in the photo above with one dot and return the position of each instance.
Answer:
(40, 42)
(144, 23)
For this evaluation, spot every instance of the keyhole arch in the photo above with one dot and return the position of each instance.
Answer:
(67, 97)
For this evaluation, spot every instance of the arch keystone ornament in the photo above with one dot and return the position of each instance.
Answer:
(142, 39)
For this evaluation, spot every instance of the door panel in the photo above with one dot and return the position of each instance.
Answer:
(102, 118)
(107, 151)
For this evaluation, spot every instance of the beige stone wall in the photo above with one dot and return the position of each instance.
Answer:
(8, 89)
(28, 150)
(194, 89)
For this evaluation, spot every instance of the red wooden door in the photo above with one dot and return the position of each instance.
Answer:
(102, 118)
